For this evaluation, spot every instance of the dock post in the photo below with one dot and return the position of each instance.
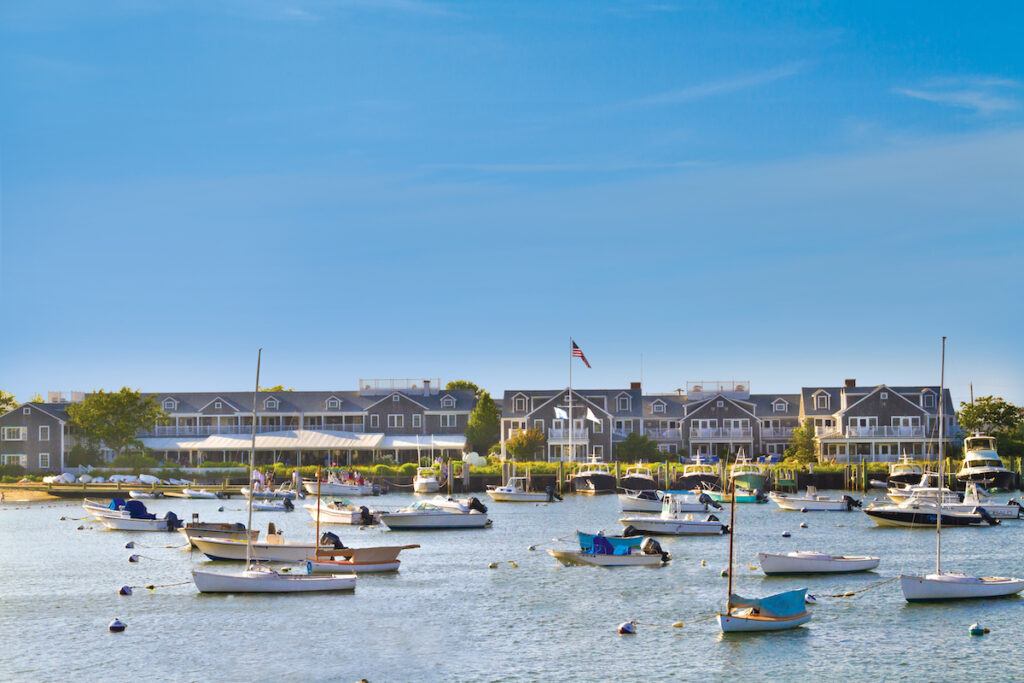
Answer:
(559, 477)
(465, 477)
(616, 474)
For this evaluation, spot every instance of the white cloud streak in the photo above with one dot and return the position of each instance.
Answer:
(983, 95)
(703, 91)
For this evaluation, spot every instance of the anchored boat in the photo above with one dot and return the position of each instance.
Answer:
(598, 550)
(674, 521)
(982, 464)
(810, 562)
(698, 475)
(812, 502)
(595, 477)
(515, 492)
(638, 478)
(439, 513)
(747, 474)
(342, 512)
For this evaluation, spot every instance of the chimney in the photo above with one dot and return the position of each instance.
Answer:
(426, 387)
(850, 383)
(634, 385)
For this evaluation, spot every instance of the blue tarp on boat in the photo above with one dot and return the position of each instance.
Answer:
(597, 544)
(137, 510)
(116, 504)
(786, 604)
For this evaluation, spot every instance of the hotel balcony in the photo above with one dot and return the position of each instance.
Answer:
(776, 432)
(207, 430)
(562, 436)
(874, 432)
(721, 434)
(619, 434)
(664, 434)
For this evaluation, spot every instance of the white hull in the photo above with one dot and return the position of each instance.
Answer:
(426, 486)
(234, 534)
(957, 587)
(143, 495)
(268, 495)
(338, 489)
(269, 507)
(330, 515)
(631, 503)
(741, 624)
(796, 504)
(575, 558)
(673, 527)
(434, 520)
(270, 582)
(129, 524)
(231, 549)
(331, 567)
(517, 496)
(201, 494)
(814, 563)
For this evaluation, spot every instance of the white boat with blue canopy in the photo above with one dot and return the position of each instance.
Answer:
(599, 550)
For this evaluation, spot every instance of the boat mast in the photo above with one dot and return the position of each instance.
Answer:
(252, 465)
(572, 451)
(938, 517)
(732, 536)
(319, 502)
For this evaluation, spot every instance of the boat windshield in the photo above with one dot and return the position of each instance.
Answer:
(980, 443)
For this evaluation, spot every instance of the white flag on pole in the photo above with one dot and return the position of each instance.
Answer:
(561, 414)
(592, 417)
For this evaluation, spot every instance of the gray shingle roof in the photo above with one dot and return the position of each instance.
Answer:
(309, 401)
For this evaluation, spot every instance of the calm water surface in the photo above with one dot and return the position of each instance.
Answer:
(446, 616)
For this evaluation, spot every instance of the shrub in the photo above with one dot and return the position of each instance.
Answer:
(384, 471)
(226, 463)
(134, 461)
(12, 472)
(408, 469)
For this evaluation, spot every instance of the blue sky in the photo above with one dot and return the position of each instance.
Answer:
(787, 194)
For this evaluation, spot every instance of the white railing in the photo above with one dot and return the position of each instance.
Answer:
(207, 430)
(872, 432)
(621, 433)
(776, 432)
(720, 432)
(563, 434)
(664, 433)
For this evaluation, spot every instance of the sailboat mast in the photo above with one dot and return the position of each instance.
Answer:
(942, 453)
(252, 464)
(572, 451)
(319, 502)
(732, 536)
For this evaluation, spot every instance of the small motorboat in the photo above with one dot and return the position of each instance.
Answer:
(598, 550)
(198, 494)
(145, 495)
(425, 481)
(273, 549)
(809, 562)
(904, 471)
(282, 505)
(698, 475)
(982, 464)
(339, 487)
(342, 512)
(281, 492)
(812, 502)
(357, 560)
(774, 613)
(515, 492)
(674, 520)
(594, 478)
(922, 514)
(219, 530)
(438, 513)
(926, 488)
(974, 499)
(260, 579)
(638, 478)
(641, 501)
(955, 586)
(134, 516)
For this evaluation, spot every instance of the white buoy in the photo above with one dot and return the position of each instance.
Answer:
(803, 525)
(810, 599)
(117, 626)
(977, 629)
(627, 628)
(786, 534)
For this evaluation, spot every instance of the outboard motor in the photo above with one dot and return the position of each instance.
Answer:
(992, 521)
(651, 546)
(851, 502)
(288, 505)
(708, 500)
(365, 516)
(552, 494)
(331, 539)
(1013, 501)
(631, 530)
(475, 504)
(173, 523)
(761, 496)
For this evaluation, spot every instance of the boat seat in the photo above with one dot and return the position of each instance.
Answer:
(275, 539)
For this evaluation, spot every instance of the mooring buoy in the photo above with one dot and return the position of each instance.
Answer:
(117, 626)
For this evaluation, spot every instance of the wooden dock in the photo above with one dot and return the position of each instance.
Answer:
(118, 489)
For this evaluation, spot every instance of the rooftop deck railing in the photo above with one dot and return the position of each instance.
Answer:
(721, 433)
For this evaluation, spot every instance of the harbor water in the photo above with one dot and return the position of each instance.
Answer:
(448, 616)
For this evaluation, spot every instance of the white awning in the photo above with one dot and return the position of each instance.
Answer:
(171, 443)
(306, 440)
(404, 442)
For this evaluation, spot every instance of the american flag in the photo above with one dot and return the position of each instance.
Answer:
(578, 353)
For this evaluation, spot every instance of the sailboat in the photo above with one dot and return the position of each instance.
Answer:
(258, 578)
(777, 612)
(426, 480)
(952, 585)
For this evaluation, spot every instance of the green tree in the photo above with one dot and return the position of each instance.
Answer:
(635, 447)
(801, 444)
(84, 454)
(7, 402)
(457, 384)
(276, 387)
(526, 443)
(484, 426)
(36, 398)
(990, 415)
(113, 418)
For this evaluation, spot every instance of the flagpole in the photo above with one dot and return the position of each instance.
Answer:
(572, 451)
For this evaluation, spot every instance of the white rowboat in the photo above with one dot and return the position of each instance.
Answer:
(263, 580)
(578, 557)
(952, 586)
(806, 562)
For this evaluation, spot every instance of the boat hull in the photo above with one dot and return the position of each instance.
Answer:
(337, 489)
(517, 496)
(693, 482)
(752, 624)
(630, 503)
(228, 532)
(920, 518)
(927, 588)
(232, 550)
(794, 504)
(201, 494)
(782, 563)
(637, 483)
(270, 582)
(398, 521)
(426, 486)
(340, 516)
(572, 558)
(593, 483)
(991, 479)
(674, 527)
(129, 524)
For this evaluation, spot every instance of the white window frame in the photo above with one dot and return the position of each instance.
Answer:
(820, 399)
(333, 404)
(169, 404)
(417, 421)
(706, 423)
(26, 411)
(395, 398)
(719, 404)
(622, 404)
(44, 429)
(736, 423)
(658, 407)
(780, 406)
(44, 465)
(927, 400)
(905, 421)
(538, 423)
(869, 421)
(883, 395)
(375, 421)
(520, 404)
(599, 452)
(15, 459)
(597, 427)
(217, 405)
(449, 420)
(396, 421)
(271, 403)
(15, 433)
(447, 402)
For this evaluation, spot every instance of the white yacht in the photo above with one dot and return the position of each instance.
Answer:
(982, 464)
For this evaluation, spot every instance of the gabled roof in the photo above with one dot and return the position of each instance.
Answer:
(675, 406)
(58, 411)
(764, 404)
(745, 406)
(879, 389)
(217, 398)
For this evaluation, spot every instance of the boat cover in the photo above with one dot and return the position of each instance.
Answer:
(137, 510)
(116, 504)
(786, 604)
(607, 545)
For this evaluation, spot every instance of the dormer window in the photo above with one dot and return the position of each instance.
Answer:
(928, 400)
(396, 398)
(169, 404)
(447, 402)
(623, 403)
(271, 403)
(333, 404)
(780, 406)
(520, 404)
(26, 411)
(659, 407)
(821, 401)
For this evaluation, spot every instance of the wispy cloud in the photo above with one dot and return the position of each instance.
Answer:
(983, 95)
(702, 91)
(562, 167)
